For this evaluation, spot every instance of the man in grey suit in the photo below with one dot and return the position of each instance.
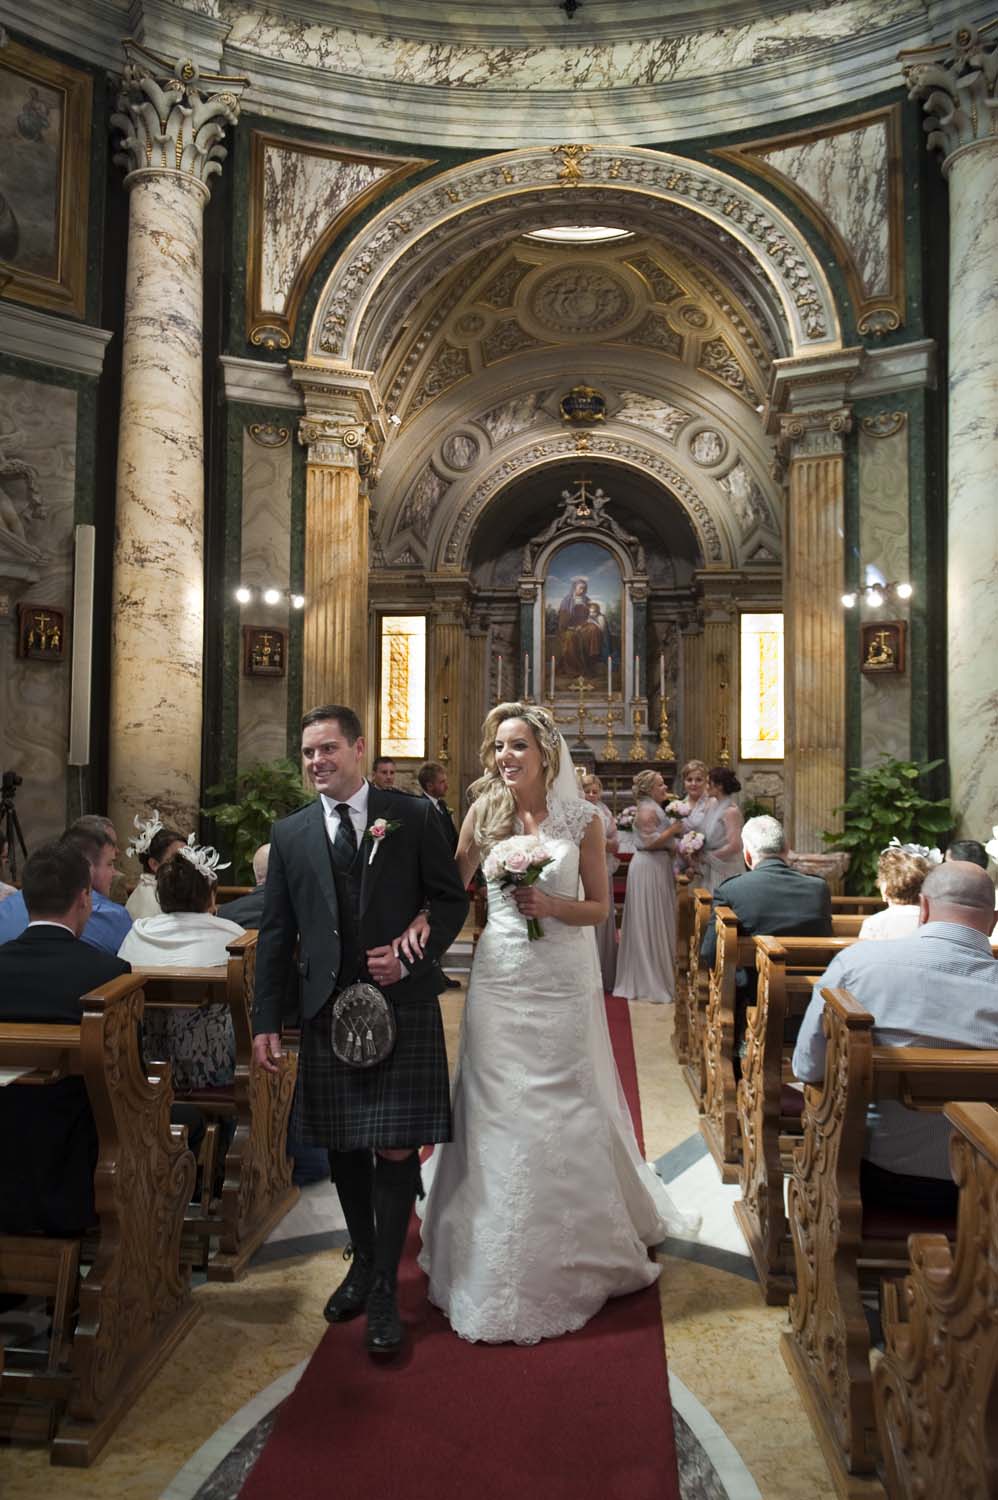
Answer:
(344, 901)
(771, 897)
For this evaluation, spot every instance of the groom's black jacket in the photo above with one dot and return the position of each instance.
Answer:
(412, 869)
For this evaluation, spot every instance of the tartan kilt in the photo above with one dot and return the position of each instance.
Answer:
(403, 1101)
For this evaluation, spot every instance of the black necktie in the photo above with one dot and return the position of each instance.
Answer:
(345, 842)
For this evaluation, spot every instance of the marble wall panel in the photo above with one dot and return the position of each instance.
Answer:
(885, 702)
(648, 411)
(37, 430)
(513, 416)
(302, 195)
(470, 64)
(845, 175)
(265, 560)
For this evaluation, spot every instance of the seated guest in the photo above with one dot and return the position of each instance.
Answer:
(901, 869)
(976, 854)
(5, 890)
(248, 910)
(936, 989)
(152, 844)
(108, 922)
(47, 1183)
(199, 1043)
(771, 897)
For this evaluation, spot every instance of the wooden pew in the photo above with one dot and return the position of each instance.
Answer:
(769, 1109)
(694, 996)
(257, 1191)
(863, 906)
(684, 933)
(936, 1388)
(719, 1117)
(134, 1305)
(837, 1240)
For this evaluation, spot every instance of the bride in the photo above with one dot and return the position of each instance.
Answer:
(541, 1207)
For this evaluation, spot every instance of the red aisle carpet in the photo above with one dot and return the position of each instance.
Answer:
(583, 1417)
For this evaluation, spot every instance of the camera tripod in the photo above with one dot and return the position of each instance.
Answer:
(10, 823)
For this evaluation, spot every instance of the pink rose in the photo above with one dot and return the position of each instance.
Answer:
(516, 861)
(378, 828)
(539, 856)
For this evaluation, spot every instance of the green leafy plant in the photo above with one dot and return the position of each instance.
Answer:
(887, 802)
(254, 798)
(755, 807)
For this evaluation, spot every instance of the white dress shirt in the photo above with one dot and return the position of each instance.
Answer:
(358, 812)
(937, 989)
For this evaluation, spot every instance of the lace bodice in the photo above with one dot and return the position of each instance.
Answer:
(565, 820)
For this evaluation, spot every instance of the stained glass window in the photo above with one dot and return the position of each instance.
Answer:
(762, 687)
(403, 687)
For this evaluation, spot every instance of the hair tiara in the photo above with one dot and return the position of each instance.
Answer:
(145, 833)
(204, 857)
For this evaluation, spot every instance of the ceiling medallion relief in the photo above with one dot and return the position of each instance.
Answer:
(580, 302)
(424, 221)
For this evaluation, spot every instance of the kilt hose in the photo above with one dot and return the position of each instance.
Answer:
(403, 1101)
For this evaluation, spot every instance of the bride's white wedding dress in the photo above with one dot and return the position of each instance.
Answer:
(542, 1206)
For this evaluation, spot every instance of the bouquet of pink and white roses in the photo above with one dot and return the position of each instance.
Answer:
(625, 819)
(679, 809)
(691, 843)
(518, 861)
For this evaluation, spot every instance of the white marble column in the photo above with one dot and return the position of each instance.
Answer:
(956, 84)
(171, 121)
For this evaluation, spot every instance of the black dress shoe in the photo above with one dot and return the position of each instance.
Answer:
(350, 1298)
(451, 984)
(384, 1326)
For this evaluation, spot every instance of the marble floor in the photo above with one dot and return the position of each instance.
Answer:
(741, 1431)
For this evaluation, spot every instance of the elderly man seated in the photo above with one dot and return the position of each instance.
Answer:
(936, 989)
(248, 910)
(771, 897)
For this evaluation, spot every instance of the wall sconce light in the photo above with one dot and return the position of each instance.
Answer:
(875, 595)
(270, 595)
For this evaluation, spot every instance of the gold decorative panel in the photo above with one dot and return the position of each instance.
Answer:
(762, 716)
(403, 687)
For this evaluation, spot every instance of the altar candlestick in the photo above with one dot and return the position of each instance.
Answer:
(661, 676)
(499, 682)
(637, 681)
(552, 679)
(526, 674)
(609, 677)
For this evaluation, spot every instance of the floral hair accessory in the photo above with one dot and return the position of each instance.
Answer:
(145, 833)
(933, 856)
(991, 847)
(204, 857)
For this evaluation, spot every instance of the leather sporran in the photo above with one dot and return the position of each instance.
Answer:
(363, 1026)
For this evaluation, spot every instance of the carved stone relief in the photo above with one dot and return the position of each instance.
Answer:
(708, 447)
(654, 333)
(425, 494)
(580, 299)
(747, 500)
(661, 283)
(513, 416)
(449, 365)
(507, 338)
(649, 411)
(501, 291)
(719, 359)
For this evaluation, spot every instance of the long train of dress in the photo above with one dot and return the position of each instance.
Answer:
(542, 1206)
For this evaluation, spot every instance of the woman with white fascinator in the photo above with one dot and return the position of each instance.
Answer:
(542, 1206)
(200, 1044)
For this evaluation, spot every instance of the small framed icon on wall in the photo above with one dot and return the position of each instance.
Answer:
(882, 647)
(41, 632)
(265, 651)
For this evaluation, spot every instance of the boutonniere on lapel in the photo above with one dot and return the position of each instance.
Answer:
(376, 835)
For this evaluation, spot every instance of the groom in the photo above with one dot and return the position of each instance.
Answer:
(345, 896)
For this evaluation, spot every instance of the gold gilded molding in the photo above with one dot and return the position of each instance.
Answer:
(268, 434)
(267, 327)
(67, 96)
(885, 424)
(876, 314)
(572, 158)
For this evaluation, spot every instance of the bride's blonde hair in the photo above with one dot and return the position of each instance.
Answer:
(494, 804)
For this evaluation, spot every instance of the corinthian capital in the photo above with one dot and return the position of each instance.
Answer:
(955, 82)
(172, 116)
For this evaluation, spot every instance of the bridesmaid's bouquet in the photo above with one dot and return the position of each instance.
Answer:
(518, 861)
(690, 844)
(679, 809)
(625, 819)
